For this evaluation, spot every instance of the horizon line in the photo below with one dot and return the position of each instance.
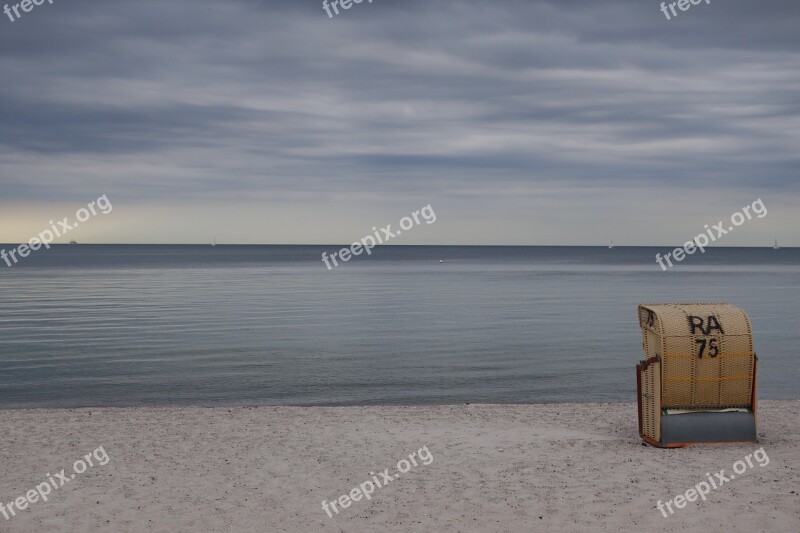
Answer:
(395, 245)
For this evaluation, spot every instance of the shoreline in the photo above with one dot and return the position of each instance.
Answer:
(493, 467)
(330, 406)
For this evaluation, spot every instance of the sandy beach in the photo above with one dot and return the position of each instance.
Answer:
(558, 467)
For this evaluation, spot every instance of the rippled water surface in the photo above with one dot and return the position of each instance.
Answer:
(141, 325)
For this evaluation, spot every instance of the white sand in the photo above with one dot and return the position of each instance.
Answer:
(564, 467)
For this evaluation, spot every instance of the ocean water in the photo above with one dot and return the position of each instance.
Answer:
(173, 325)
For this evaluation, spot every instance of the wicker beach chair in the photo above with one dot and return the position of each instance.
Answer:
(697, 383)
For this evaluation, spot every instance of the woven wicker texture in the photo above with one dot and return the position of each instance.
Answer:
(706, 353)
(651, 401)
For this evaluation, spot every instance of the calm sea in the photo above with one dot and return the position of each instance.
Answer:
(166, 325)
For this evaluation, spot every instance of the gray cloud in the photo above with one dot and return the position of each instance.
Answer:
(205, 100)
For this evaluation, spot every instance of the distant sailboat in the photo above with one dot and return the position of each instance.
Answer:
(213, 241)
(611, 246)
(776, 247)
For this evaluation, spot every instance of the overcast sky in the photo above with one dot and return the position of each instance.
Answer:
(520, 122)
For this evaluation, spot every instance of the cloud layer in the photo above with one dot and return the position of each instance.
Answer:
(527, 122)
